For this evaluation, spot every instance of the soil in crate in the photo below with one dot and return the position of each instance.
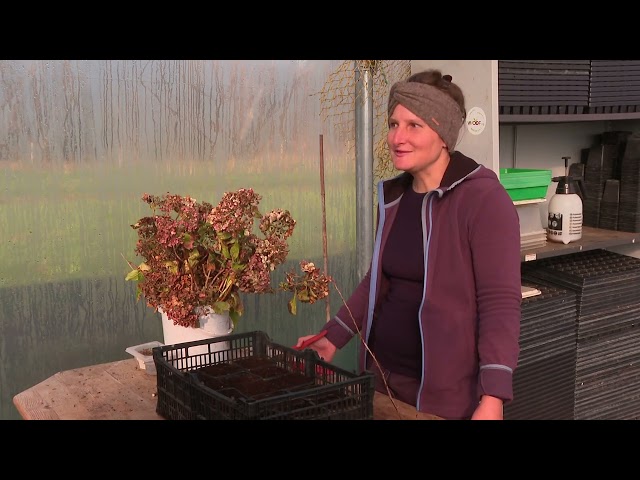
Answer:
(252, 378)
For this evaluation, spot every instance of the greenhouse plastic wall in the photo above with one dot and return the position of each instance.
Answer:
(81, 141)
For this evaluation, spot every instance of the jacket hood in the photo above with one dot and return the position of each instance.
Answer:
(460, 168)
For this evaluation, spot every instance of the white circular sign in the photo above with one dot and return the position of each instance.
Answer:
(476, 121)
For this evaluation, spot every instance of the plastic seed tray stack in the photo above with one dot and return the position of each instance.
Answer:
(253, 378)
(607, 380)
(629, 208)
(544, 382)
(542, 87)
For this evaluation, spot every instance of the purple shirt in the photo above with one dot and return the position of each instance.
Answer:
(395, 335)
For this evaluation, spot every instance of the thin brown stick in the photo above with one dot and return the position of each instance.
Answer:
(384, 380)
(326, 269)
(324, 226)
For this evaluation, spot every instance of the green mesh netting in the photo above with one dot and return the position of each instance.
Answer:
(338, 100)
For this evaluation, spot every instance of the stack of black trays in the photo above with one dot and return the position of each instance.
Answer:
(601, 175)
(629, 211)
(609, 205)
(543, 383)
(614, 86)
(607, 381)
(543, 87)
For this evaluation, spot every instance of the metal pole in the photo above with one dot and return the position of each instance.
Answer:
(364, 167)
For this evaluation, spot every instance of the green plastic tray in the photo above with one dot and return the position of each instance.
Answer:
(525, 183)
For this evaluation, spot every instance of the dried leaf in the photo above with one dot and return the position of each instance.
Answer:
(292, 306)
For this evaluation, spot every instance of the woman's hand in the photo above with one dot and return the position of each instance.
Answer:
(489, 408)
(324, 347)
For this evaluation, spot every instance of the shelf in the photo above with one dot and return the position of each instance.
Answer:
(528, 202)
(592, 239)
(567, 118)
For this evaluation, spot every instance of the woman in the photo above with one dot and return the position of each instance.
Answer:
(439, 308)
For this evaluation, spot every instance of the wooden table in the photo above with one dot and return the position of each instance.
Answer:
(121, 391)
(109, 391)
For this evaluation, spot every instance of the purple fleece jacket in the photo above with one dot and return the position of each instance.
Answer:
(470, 314)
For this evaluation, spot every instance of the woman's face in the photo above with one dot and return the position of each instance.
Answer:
(414, 146)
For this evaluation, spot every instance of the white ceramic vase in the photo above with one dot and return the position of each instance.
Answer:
(211, 325)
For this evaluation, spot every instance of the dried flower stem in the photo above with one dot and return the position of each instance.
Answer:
(326, 269)
(362, 340)
(324, 225)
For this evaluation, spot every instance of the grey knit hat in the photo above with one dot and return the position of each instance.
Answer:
(436, 108)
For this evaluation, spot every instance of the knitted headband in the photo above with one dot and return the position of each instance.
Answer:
(436, 108)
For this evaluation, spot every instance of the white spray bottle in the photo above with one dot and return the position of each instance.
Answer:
(565, 208)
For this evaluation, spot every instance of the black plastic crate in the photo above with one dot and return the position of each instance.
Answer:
(246, 376)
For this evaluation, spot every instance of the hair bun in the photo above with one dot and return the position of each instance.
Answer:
(448, 78)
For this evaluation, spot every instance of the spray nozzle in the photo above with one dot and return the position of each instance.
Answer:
(572, 181)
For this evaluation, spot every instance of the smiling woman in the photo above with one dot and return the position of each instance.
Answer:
(440, 327)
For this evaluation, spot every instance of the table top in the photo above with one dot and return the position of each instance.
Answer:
(111, 391)
(120, 390)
